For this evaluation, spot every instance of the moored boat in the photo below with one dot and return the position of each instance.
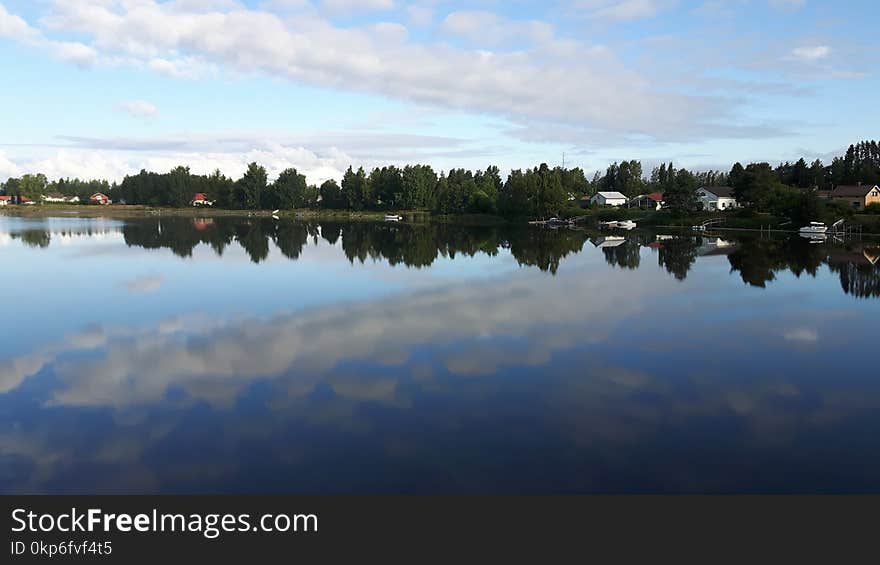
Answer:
(814, 227)
(393, 218)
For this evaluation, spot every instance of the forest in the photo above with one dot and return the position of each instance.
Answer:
(787, 190)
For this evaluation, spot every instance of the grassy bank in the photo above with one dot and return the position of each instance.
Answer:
(135, 211)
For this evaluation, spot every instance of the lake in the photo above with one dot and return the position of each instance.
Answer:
(245, 355)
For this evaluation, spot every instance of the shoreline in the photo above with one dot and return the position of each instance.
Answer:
(644, 219)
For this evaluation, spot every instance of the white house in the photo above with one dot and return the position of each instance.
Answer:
(4, 200)
(716, 198)
(57, 197)
(609, 199)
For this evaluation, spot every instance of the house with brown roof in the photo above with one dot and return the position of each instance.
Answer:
(653, 201)
(99, 198)
(858, 197)
(5, 200)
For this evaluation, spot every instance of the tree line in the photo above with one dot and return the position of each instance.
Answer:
(787, 189)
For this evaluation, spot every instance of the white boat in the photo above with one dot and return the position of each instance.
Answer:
(626, 224)
(275, 212)
(699, 228)
(611, 224)
(814, 227)
(393, 218)
(557, 222)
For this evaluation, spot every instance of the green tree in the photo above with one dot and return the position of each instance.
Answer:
(180, 187)
(290, 191)
(386, 186)
(680, 193)
(419, 187)
(220, 188)
(251, 186)
(550, 196)
(331, 196)
(356, 188)
(33, 186)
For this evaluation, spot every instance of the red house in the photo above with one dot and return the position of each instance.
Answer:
(201, 199)
(99, 198)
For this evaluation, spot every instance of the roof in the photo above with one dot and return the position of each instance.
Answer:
(719, 191)
(98, 195)
(656, 196)
(611, 195)
(853, 190)
(55, 195)
(7, 198)
(200, 196)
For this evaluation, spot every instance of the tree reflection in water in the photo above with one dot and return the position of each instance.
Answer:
(757, 260)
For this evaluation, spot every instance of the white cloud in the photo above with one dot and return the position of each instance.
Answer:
(420, 15)
(77, 53)
(139, 108)
(7, 167)
(624, 10)
(181, 67)
(350, 7)
(114, 164)
(592, 88)
(14, 27)
(487, 28)
(811, 53)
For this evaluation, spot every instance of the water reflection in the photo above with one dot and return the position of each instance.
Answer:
(757, 260)
(643, 364)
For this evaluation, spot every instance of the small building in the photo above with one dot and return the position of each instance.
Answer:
(99, 198)
(25, 201)
(858, 197)
(55, 197)
(714, 198)
(653, 201)
(5, 200)
(201, 199)
(609, 199)
(72, 200)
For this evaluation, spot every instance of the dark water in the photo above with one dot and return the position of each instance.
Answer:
(248, 355)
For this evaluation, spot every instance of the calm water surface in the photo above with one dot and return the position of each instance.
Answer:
(248, 355)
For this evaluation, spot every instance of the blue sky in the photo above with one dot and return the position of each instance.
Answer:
(102, 88)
